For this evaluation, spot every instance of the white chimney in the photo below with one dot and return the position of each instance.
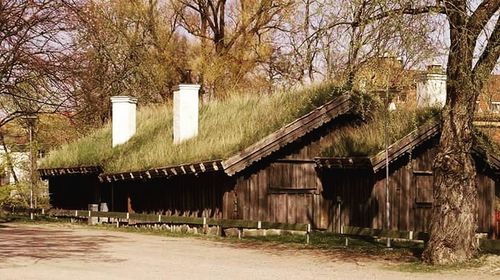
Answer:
(431, 87)
(123, 118)
(185, 112)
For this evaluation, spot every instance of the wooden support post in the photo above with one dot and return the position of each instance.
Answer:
(339, 213)
(159, 218)
(128, 218)
(346, 241)
(410, 235)
(43, 211)
(308, 233)
(92, 220)
(205, 227)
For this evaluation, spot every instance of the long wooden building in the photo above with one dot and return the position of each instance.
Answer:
(284, 178)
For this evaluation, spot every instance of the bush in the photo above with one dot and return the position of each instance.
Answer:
(16, 195)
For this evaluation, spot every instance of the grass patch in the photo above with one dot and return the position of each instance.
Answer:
(4, 218)
(20, 218)
(225, 127)
(418, 266)
(333, 243)
(367, 138)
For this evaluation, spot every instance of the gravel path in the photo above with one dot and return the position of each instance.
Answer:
(61, 252)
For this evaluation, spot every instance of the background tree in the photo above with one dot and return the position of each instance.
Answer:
(35, 58)
(36, 63)
(233, 38)
(127, 48)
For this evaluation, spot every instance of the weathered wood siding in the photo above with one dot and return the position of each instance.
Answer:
(185, 195)
(410, 193)
(270, 195)
(288, 189)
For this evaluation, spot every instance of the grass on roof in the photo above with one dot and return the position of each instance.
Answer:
(225, 127)
(367, 138)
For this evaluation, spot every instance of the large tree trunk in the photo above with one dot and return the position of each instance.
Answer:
(454, 210)
(453, 223)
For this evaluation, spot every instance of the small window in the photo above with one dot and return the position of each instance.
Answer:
(495, 106)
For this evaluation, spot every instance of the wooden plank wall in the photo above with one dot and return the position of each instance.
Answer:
(410, 189)
(289, 190)
(188, 195)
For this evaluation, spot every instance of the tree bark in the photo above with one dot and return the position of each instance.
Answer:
(454, 210)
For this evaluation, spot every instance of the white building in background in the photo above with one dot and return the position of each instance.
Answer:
(20, 162)
(431, 87)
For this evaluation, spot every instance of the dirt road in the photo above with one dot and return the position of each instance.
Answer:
(61, 252)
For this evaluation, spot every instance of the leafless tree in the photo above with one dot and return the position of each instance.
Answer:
(35, 58)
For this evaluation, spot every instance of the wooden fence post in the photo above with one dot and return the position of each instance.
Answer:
(308, 233)
(93, 220)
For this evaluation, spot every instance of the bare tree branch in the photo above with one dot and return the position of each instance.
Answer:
(482, 15)
(489, 58)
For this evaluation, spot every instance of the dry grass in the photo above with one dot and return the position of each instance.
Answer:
(230, 125)
(367, 138)
(225, 128)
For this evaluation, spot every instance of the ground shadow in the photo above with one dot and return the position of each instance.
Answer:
(332, 246)
(43, 243)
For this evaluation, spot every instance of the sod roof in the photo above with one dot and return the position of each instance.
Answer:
(225, 128)
(241, 130)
